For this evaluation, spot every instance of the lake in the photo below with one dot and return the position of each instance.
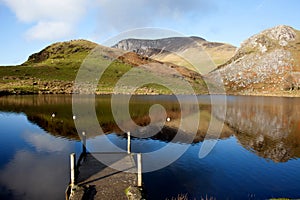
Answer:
(256, 155)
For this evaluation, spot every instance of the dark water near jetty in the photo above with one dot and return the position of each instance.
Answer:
(256, 157)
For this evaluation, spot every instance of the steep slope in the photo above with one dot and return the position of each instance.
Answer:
(266, 63)
(54, 69)
(51, 70)
(74, 50)
(191, 52)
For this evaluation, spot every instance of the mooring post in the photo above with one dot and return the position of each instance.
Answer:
(72, 161)
(139, 161)
(83, 143)
(128, 142)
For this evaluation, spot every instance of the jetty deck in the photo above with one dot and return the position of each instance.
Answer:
(96, 180)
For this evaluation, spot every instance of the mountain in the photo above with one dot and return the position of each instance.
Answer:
(267, 63)
(191, 52)
(71, 51)
(54, 69)
(51, 70)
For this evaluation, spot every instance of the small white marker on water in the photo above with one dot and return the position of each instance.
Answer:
(53, 115)
(74, 117)
(168, 119)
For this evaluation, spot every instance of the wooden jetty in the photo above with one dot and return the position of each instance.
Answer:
(92, 179)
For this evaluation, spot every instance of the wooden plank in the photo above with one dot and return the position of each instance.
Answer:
(139, 170)
(72, 163)
(97, 181)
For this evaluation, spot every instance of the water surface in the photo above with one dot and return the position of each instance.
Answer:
(256, 157)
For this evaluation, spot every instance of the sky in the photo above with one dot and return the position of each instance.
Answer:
(28, 26)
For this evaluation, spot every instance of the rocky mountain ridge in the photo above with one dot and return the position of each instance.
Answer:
(193, 52)
(265, 63)
(151, 47)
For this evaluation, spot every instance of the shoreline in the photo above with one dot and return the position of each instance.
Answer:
(288, 94)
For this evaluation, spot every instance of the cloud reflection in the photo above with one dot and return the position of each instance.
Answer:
(46, 142)
(41, 173)
(34, 176)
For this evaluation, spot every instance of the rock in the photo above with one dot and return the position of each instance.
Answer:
(133, 193)
(281, 35)
(262, 63)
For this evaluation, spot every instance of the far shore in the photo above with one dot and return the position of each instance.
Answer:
(262, 94)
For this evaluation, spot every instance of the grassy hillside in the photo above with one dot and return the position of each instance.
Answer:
(203, 58)
(56, 66)
(54, 69)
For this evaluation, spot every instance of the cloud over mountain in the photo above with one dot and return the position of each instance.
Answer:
(50, 19)
(122, 15)
(56, 19)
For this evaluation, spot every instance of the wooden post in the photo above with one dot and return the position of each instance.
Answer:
(72, 161)
(128, 142)
(83, 143)
(139, 164)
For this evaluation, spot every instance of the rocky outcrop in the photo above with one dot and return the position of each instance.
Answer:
(279, 35)
(264, 63)
(249, 71)
(152, 47)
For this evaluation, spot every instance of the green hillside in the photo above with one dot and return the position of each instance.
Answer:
(54, 69)
(57, 63)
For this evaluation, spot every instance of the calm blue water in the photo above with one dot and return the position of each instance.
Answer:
(228, 172)
(34, 162)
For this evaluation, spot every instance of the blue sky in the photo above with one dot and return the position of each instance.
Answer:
(27, 26)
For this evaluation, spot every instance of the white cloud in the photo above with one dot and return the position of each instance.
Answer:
(51, 19)
(55, 19)
(122, 15)
(49, 30)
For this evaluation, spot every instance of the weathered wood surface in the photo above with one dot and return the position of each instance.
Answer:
(97, 181)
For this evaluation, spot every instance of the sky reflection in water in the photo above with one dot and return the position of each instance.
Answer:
(259, 162)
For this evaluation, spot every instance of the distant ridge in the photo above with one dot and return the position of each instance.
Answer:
(205, 55)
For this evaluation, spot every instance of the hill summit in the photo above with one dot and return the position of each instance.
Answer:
(62, 50)
(266, 63)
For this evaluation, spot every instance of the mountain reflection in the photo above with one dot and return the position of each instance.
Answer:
(268, 126)
(39, 110)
